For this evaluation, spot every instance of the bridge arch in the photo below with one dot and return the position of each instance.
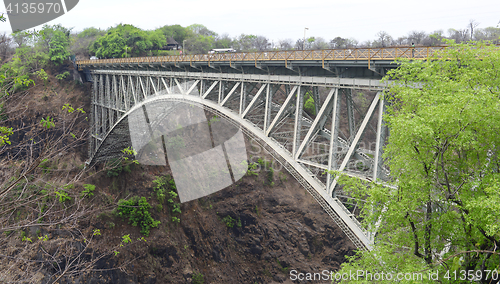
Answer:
(239, 99)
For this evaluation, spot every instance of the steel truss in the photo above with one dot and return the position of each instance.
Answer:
(345, 134)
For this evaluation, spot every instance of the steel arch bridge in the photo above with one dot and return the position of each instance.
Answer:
(345, 133)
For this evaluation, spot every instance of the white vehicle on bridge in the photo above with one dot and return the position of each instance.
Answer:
(221, 50)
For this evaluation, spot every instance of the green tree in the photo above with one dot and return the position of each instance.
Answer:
(443, 212)
(199, 44)
(199, 29)
(90, 32)
(126, 41)
(246, 42)
(58, 50)
(83, 41)
(109, 46)
(177, 32)
(223, 41)
(55, 40)
(22, 38)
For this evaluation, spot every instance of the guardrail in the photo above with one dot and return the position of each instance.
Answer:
(368, 54)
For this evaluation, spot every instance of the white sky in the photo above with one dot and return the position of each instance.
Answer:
(359, 19)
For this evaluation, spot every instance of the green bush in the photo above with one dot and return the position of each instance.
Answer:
(176, 208)
(69, 186)
(63, 196)
(198, 278)
(309, 106)
(162, 184)
(88, 191)
(160, 188)
(172, 195)
(62, 76)
(231, 222)
(117, 167)
(45, 165)
(42, 75)
(270, 176)
(136, 210)
(251, 169)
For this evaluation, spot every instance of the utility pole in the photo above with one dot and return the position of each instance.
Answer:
(304, 42)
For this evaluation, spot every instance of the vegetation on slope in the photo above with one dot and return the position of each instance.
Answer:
(442, 216)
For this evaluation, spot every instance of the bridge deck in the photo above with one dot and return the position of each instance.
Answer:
(361, 55)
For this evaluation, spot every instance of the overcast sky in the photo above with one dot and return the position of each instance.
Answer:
(359, 19)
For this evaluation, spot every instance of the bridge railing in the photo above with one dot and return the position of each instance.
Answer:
(384, 53)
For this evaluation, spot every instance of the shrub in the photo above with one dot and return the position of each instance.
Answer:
(198, 278)
(251, 169)
(88, 191)
(117, 167)
(62, 76)
(160, 188)
(176, 208)
(42, 75)
(309, 106)
(45, 165)
(162, 184)
(63, 196)
(270, 176)
(230, 221)
(69, 186)
(136, 210)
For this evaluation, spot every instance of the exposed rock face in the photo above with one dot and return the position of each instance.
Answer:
(274, 230)
(271, 230)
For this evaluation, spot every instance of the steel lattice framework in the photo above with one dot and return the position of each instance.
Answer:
(345, 135)
(363, 54)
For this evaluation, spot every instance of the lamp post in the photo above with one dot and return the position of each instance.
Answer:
(304, 42)
(183, 46)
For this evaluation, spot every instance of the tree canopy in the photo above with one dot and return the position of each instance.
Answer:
(443, 213)
(127, 41)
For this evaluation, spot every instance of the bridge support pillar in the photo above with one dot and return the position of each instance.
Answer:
(267, 111)
(333, 151)
(381, 135)
(243, 97)
(315, 91)
(350, 112)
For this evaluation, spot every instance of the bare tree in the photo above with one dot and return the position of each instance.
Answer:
(489, 33)
(433, 39)
(5, 45)
(471, 26)
(22, 38)
(299, 44)
(44, 213)
(458, 35)
(223, 41)
(261, 43)
(338, 42)
(319, 43)
(367, 44)
(401, 40)
(285, 44)
(383, 39)
(416, 37)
